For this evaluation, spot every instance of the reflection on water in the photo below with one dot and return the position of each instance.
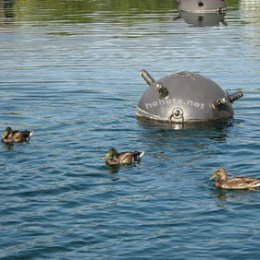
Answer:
(197, 19)
(249, 5)
(236, 196)
(6, 11)
(211, 125)
(8, 146)
(86, 11)
(91, 11)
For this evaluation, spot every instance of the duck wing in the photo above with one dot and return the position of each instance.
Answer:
(138, 155)
(126, 158)
(242, 183)
(21, 136)
(7, 140)
(134, 156)
(112, 162)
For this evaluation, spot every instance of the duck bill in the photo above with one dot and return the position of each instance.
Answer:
(5, 135)
(106, 157)
(213, 176)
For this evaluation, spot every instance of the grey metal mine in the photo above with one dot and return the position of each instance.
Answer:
(203, 6)
(185, 97)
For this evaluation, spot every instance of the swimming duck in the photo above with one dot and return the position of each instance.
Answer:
(235, 183)
(15, 136)
(113, 158)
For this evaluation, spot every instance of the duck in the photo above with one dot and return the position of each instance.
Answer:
(114, 158)
(234, 183)
(16, 136)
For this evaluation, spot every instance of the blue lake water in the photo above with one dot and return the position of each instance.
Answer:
(73, 78)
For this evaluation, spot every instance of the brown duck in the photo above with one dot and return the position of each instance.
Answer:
(15, 136)
(234, 183)
(113, 158)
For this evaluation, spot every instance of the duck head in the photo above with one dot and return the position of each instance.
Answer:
(112, 153)
(220, 174)
(7, 132)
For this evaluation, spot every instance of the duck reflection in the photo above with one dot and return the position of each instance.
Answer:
(8, 146)
(235, 196)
